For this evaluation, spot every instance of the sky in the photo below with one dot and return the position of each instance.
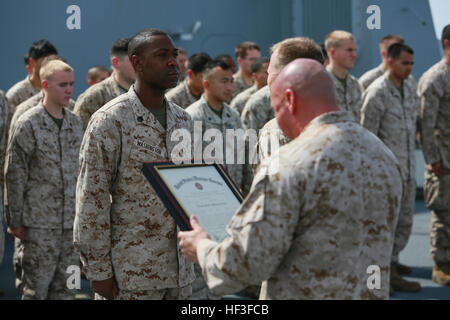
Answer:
(440, 10)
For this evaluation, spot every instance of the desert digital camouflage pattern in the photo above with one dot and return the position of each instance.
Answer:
(42, 195)
(370, 76)
(434, 92)
(239, 85)
(18, 93)
(258, 110)
(349, 96)
(45, 266)
(181, 95)
(238, 103)
(332, 194)
(30, 103)
(269, 134)
(200, 111)
(95, 97)
(122, 229)
(393, 119)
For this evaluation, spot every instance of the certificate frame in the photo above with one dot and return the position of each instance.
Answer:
(152, 171)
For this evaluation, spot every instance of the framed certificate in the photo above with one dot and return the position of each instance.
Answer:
(204, 190)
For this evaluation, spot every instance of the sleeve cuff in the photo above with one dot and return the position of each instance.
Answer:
(203, 248)
(98, 271)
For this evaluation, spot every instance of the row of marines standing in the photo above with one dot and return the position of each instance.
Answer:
(41, 137)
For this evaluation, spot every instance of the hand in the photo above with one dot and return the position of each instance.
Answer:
(106, 288)
(436, 168)
(188, 240)
(17, 232)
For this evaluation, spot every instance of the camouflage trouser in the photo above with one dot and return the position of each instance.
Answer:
(200, 290)
(183, 293)
(17, 261)
(47, 253)
(405, 219)
(437, 198)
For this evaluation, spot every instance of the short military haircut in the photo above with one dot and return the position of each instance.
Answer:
(209, 67)
(51, 58)
(93, 73)
(182, 51)
(119, 48)
(396, 49)
(48, 69)
(335, 38)
(324, 51)
(223, 57)
(140, 40)
(41, 48)
(258, 64)
(445, 34)
(198, 61)
(26, 58)
(242, 49)
(295, 48)
(390, 39)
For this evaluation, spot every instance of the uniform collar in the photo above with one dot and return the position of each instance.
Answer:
(144, 116)
(50, 124)
(393, 89)
(211, 116)
(330, 118)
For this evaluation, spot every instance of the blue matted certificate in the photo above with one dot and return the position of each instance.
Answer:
(204, 190)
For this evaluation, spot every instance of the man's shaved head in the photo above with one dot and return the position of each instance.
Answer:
(302, 91)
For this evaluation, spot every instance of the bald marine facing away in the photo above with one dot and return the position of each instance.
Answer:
(321, 210)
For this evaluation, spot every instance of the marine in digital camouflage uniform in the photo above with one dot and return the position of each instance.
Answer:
(238, 102)
(257, 111)
(95, 97)
(434, 91)
(370, 76)
(239, 85)
(21, 109)
(200, 111)
(19, 93)
(41, 196)
(31, 85)
(268, 135)
(181, 95)
(246, 53)
(190, 90)
(123, 232)
(341, 48)
(348, 94)
(259, 74)
(30, 103)
(391, 113)
(118, 83)
(332, 194)
(218, 116)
